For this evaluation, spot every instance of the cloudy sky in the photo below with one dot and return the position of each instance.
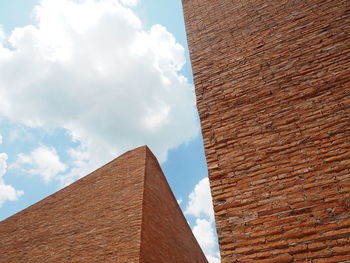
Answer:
(82, 81)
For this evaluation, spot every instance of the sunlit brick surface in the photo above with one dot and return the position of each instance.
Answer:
(123, 212)
(272, 80)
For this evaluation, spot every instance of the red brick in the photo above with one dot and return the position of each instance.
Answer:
(285, 258)
(122, 212)
(272, 80)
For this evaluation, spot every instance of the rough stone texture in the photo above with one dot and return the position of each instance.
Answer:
(272, 80)
(123, 212)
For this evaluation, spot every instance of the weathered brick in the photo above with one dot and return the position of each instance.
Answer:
(272, 80)
(285, 258)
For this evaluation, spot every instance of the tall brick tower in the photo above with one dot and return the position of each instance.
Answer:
(123, 212)
(272, 80)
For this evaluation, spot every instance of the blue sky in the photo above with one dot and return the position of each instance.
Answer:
(83, 81)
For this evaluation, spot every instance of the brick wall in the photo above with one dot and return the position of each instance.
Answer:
(123, 212)
(96, 219)
(272, 80)
(166, 236)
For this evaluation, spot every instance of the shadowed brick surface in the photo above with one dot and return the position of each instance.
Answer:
(164, 228)
(123, 212)
(272, 80)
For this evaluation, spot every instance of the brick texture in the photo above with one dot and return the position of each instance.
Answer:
(164, 228)
(272, 80)
(123, 212)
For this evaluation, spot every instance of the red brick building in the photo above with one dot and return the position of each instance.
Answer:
(272, 80)
(123, 212)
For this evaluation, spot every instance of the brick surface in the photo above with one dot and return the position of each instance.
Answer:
(164, 228)
(123, 212)
(272, 81)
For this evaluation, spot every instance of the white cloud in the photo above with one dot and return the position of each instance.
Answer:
(93, 69)
(200, 206)
(0, 139)
(82, 164)
(43, 162)
(129, 2)
(203, 231)
(212, 259)
(200, 202)
(7, 192)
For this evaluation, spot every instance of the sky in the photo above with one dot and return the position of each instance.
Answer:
(81, 82)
